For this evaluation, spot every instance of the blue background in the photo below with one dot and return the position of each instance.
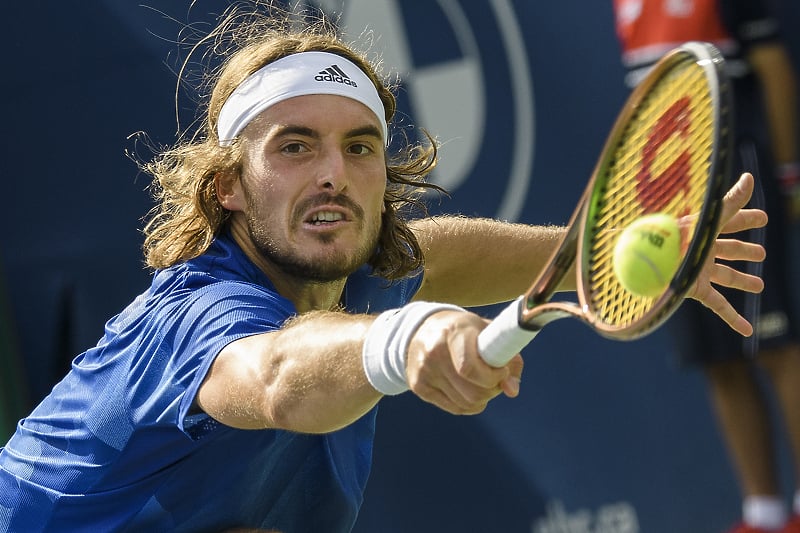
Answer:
(600, 427)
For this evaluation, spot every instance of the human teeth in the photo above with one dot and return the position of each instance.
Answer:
(326, 216)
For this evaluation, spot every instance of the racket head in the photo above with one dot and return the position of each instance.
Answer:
(668, 152)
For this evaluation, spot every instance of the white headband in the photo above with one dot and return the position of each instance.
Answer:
(296, 75)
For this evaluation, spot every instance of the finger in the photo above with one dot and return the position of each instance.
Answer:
(457, 398)
(470, 398)
(436, 383)
(727, 276)
(745, 219)
(472, 385)
(737, 197)
(735, 250)
(511, 384)
(443, 401)
(469, 365)
(439, 380)
(723, 309)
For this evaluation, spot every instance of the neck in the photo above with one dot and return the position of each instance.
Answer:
(306, 295)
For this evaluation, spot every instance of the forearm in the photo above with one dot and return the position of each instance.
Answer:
(480, 261)
(306, 377)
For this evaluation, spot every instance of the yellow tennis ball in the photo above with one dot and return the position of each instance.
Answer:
(647, 254)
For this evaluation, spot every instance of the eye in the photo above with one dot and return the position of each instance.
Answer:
(359, 149)
(294, 148)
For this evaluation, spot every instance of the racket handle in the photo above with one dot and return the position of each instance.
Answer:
(502, 339)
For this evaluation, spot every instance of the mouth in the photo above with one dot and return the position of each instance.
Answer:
(321, 218)
(323, 212)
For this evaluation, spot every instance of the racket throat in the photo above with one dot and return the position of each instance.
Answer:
(533, 317)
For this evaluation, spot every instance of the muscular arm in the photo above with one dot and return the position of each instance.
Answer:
(305, 377)
(308, 376)
(480, 261)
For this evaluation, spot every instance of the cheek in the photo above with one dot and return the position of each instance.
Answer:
(263, 193)
(379, 189)
(269, 204)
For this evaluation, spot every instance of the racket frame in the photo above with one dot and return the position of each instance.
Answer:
(535, 309)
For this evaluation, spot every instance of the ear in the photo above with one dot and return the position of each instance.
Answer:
(229, 190)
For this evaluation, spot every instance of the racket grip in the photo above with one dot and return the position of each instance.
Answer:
(503, 338)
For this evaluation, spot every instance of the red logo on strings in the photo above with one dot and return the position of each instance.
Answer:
(655, 192)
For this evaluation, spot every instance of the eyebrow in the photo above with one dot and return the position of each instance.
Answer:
(368, 130)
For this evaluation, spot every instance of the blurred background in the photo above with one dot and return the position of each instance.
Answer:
(605, 436)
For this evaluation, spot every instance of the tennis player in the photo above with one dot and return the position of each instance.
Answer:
(291, 292)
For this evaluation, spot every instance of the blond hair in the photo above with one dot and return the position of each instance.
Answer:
(188, 215)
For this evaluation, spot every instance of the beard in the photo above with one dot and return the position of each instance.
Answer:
(331, 265)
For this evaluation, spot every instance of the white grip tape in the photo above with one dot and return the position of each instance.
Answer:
(386, 344)
(503, 338)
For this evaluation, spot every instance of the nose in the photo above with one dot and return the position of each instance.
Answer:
(332, 172)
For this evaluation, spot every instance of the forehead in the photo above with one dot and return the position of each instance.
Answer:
(321, 113)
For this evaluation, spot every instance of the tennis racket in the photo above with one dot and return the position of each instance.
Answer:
(668, 152)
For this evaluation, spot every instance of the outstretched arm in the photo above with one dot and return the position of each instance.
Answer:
(309, 376)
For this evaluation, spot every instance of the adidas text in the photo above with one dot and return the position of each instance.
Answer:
(337, 79)
(335, 74)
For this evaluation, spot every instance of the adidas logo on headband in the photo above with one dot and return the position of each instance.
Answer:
(335, 74)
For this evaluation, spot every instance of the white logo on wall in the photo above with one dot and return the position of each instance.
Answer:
(611, 518)
(481, 110)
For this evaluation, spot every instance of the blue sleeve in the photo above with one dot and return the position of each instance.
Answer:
(207, 321)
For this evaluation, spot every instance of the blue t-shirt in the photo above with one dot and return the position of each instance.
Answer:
(116, 447)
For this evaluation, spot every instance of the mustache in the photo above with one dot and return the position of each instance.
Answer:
(324, 198)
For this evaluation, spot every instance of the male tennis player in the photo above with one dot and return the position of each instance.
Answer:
(240, 390)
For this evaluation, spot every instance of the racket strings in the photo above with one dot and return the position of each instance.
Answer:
(660, 164)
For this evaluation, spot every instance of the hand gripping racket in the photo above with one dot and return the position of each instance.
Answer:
(668, 152)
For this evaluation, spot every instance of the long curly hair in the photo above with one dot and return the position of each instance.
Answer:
(188, 216)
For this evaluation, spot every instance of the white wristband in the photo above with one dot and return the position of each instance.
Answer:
(386, 344)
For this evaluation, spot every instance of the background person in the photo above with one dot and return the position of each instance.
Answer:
(766, 144)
